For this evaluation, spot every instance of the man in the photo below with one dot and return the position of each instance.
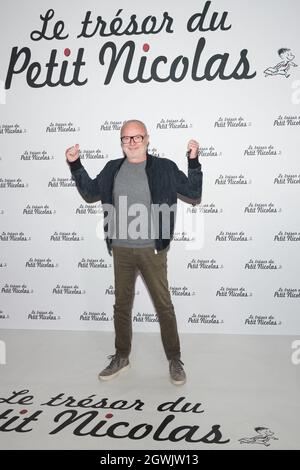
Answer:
(152, 183)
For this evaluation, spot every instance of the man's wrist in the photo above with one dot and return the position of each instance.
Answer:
(193, 162)
(75, 165)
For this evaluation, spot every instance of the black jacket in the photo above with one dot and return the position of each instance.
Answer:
(165, 182)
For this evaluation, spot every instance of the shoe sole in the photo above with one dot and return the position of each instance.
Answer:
(112, 376)
(178, 382)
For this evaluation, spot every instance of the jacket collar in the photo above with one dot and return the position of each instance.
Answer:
(148, 162)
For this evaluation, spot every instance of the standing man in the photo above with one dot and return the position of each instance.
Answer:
(149, 183)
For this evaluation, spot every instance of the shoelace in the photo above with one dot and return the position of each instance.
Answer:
(114, 359)
(177, 364)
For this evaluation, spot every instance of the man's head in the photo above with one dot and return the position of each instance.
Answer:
(134, 140)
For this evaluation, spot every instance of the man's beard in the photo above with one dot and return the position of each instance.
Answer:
(135, 154)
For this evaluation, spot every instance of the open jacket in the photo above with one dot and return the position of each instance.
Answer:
(165, 181)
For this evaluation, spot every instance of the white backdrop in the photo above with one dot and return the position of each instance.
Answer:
(241, 273)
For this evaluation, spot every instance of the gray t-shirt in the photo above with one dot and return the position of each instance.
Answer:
(132, 201)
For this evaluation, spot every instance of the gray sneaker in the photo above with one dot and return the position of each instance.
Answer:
(177, 374)
(117, 364)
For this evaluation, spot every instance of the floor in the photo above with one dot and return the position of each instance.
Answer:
(242, 392)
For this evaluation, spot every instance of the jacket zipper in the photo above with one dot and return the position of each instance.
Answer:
(151, 202)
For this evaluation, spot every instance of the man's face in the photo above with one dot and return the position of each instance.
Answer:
(135, 151)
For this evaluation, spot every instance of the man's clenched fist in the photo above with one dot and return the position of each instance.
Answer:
(193, 148)
(72, 153)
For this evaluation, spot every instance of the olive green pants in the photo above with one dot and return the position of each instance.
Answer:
(153, 268)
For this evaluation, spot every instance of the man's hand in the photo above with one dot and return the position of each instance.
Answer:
(193, 148)
(72, 153)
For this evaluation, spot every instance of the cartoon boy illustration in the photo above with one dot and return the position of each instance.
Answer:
(264, 436)
(283, 67)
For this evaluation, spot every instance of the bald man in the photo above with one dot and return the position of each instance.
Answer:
(145, 185)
